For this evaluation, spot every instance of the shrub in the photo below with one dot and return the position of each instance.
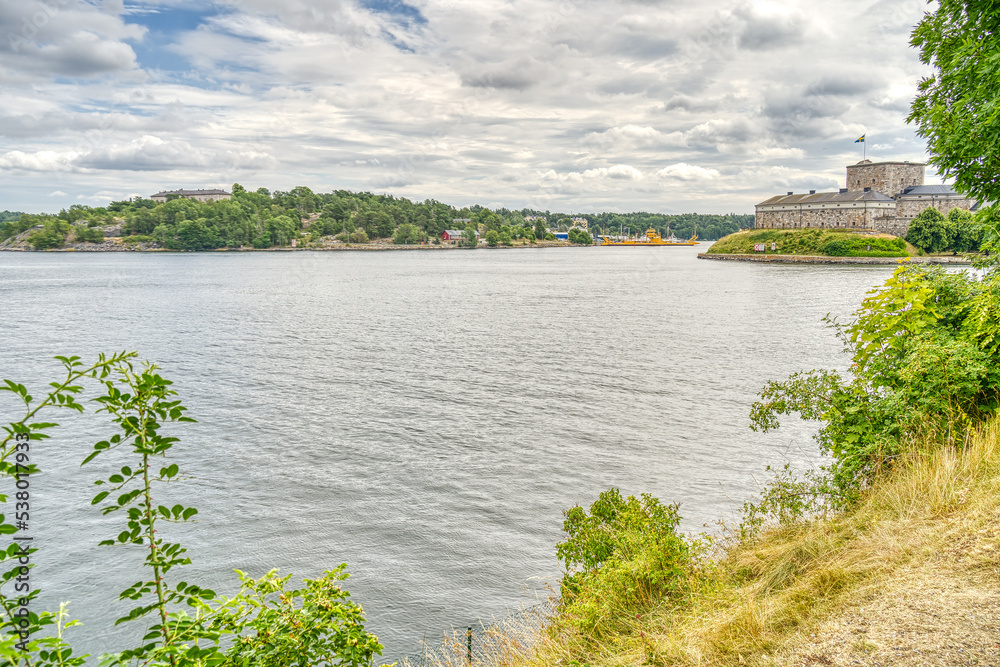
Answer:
(926, 364)
(52, 235)
(89, 234)
(929, 231)
(622, 559)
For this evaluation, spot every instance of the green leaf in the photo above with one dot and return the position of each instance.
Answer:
(99, 497)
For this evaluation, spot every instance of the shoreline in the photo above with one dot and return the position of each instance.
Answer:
(823, 259)
(124, 247)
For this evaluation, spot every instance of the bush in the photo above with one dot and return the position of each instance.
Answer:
(52, 235)
(89, 234)
(926, 365)
(929, 231)
(622, 559)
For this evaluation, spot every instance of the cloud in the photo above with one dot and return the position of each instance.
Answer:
(688, 172)
(578, 105)
(47, 161)
(625, 136)
(770, 28)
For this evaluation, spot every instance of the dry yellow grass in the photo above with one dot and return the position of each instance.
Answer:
(911, 576)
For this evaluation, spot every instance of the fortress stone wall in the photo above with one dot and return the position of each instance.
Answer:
(880, 196)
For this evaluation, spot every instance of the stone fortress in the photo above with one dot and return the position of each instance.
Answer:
(880, 196)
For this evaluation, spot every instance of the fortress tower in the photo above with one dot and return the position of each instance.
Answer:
(889, 178)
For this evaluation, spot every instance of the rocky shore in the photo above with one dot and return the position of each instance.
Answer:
(821, 259)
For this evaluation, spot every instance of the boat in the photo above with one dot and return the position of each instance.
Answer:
(652, 239)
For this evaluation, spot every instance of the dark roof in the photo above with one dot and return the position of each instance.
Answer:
(826, 197)
(189, 193)
(929, 190)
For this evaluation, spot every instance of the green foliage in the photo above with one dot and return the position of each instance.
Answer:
(708, 227)
(623, 558)
(577, 235)
(956, 108)
(470, 238)
(88, 234)
(926, 364)
(492, 238)
(313, 625)
(407, 234)
(810, 241)
(860, 246)
(264, 220)
(540, 229)
(966, 231)
(187, 625)
(52, 235)
(930, 231)
(37, 640)
(11, 224)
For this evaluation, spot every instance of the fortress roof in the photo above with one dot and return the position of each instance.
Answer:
(189, 193)
(827, 197)
(929, 190)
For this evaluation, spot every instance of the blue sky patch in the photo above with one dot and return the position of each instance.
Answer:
(398, 10)
(164, 24)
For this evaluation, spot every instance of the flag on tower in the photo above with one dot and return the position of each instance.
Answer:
(860, 140)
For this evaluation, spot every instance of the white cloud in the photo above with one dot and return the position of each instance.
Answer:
(38, 161)
(688, 172)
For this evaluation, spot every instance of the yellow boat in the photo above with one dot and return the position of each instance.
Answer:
(652, 239)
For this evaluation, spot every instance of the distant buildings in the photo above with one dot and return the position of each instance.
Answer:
(199, 195)
(580, 222)
(882, 196)
(454, 235)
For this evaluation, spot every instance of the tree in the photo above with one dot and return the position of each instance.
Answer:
(470, 237)
(88, 234)
(539, 229)
(966, 232)
(929, 231)
(492, 238)
(52, 235)
(408, 233)
(194, 235)
(955, 109)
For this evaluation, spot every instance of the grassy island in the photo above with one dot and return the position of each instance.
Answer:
(813, 242)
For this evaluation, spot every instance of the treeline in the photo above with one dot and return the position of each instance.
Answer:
(265, 219)
(708, 227)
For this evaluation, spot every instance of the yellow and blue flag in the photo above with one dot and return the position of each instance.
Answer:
(860, 140)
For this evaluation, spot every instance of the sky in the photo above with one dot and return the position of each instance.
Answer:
(563, 105)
